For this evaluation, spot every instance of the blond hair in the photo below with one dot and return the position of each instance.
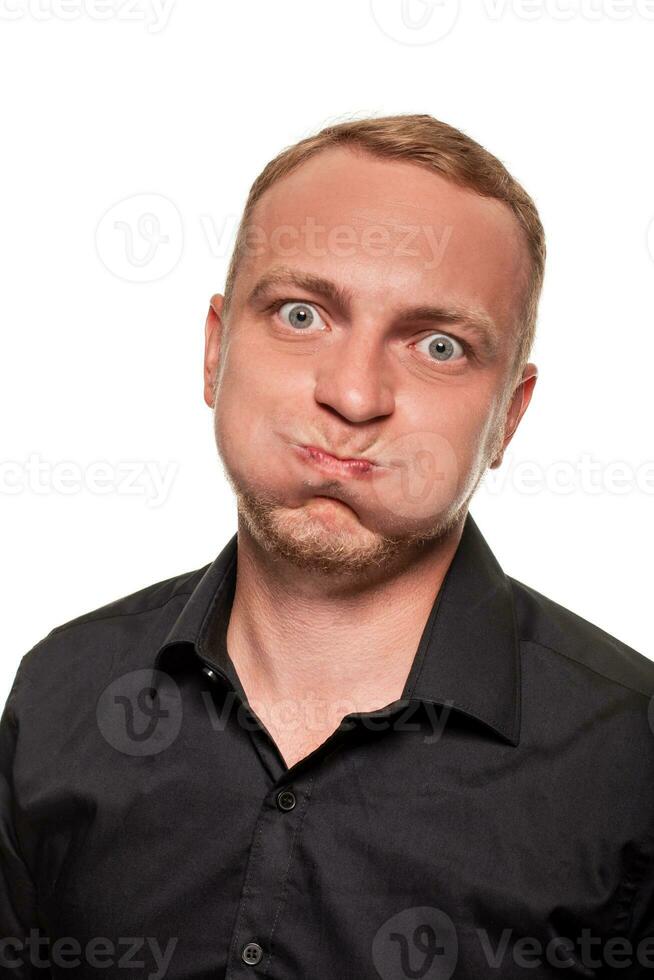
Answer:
(438, 147)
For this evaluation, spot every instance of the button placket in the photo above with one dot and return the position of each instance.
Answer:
(265, 887)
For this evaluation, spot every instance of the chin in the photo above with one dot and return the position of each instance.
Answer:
(320, 533)
(324, 534)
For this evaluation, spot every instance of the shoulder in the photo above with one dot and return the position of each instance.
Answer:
(94, 640)
(569, 638)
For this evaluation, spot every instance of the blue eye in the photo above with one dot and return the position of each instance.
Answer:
(442, 347)
(299, 315)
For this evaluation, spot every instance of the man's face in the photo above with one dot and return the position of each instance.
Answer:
(383, 365)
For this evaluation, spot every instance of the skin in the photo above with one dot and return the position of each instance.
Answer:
(337, 574)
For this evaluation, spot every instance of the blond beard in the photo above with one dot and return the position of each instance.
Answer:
(296, 536)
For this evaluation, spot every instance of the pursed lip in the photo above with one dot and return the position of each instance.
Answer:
(325, 459)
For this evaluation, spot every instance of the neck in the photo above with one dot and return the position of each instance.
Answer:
(300, 635)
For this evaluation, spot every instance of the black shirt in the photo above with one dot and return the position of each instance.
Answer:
(496, 821)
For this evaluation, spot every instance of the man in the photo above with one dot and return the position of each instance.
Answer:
(350, 746)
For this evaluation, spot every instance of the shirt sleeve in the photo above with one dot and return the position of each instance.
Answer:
(641, 916)
(18, 899)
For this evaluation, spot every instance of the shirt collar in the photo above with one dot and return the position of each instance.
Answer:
(468, 657)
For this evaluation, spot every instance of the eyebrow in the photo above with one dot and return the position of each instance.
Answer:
(473, 321)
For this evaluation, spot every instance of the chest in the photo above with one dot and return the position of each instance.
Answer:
(296, 742)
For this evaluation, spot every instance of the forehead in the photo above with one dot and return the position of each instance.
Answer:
(385, 229)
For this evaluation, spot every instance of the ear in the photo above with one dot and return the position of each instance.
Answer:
(517, 408)
(213, 333)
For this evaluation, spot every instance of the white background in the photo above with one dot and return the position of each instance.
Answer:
(106, 101)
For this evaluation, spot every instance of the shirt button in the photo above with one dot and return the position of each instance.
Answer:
(251, 953)
(286, 800)
(211, 674)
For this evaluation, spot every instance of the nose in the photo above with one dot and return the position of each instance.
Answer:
(354, 379)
